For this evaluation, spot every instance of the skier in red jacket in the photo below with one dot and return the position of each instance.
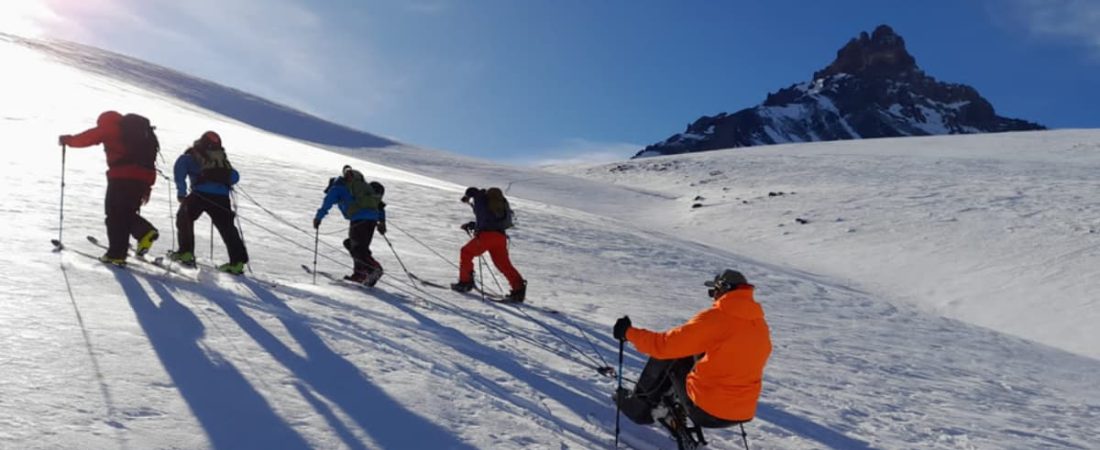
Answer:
(130, 177)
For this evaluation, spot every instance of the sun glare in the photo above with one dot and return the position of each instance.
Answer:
(23, 17)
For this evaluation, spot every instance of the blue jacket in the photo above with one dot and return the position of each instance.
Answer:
(338, 194)
(188, 168)
(483, 216)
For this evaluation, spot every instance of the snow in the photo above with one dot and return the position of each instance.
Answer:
(103, 358)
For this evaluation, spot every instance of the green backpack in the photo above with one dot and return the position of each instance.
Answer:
(364, 197)
(215, 164)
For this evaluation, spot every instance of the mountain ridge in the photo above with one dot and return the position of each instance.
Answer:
(872, 89)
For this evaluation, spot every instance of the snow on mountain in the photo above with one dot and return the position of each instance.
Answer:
(873, 89)
(95, 357)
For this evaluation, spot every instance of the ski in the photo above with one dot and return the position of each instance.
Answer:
(156, 262)
(478, 292)
(336, 279)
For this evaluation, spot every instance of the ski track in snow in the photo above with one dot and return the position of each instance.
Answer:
(96, 357)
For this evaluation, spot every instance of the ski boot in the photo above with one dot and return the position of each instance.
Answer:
(673, 417)
(633, 407)
(232, 268)
(146, 242)
(462, 286)
(517, 295)
(359, 276)
(117, 262)
(186, 259)
(373, 276)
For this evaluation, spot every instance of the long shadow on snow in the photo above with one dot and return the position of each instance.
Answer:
(808, 429)
(581, 405)
(233, 414)
(388, 422)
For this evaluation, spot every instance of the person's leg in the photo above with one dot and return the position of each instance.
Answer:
(497, 244)
(191, 208)
(360, 235)
(221, 213)
(471, 250)
(122, 203)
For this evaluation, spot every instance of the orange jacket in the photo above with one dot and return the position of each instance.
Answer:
(107, 132)
(735, 339)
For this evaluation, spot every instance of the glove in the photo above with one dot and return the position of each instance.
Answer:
(182, 199)
(621, 326)
(316, 223)
(64, 139)
(469, 227)
(382, 228)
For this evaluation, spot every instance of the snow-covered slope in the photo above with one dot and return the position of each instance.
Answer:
(101, 358)
(997, 230)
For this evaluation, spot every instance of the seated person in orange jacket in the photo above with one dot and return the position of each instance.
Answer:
(714, 363)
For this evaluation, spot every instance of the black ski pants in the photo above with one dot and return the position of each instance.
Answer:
(661, 376)
(221, 213)
(122, 207)
(358, 242)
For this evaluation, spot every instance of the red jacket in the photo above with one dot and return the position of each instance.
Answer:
(108, 133)
(736, 341)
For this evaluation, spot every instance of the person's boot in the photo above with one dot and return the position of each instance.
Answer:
(146, 242)
(186, 259)
(359, 276)
(118, 262)
(236, 268)
(633, 407)
(517, 295)
(373, 276)
(463, 286)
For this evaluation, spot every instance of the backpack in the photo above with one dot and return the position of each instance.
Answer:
(139, 140)
(363, 194)
(498, 205)
(214, 163)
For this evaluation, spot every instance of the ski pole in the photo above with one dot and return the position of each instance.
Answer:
(61, 209)
(212, 243)
(316, 241)
(618, 391)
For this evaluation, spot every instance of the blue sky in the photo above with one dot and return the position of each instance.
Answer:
(529, 81)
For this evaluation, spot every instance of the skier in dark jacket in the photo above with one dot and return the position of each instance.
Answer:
(361, 203)
(128, 187)
(211, 176)
(492, 218)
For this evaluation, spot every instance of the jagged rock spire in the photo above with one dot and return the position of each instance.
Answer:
(882, 53)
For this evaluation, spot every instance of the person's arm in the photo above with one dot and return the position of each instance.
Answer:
(331, 197)
(88, 138)
(234, 177)
(179, 172)
(691, 338)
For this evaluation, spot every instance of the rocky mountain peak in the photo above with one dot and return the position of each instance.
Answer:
(881, 53)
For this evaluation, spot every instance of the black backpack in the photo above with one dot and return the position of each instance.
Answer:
(214, 163)
(502, 211)
(140, 141)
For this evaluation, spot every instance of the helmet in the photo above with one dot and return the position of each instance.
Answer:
(212, 137)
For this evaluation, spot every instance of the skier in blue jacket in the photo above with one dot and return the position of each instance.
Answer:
(212, 177)
(361, 203)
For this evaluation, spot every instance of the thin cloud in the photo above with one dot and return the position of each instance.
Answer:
(583, 152)
(280, 46)
(1073, 20)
